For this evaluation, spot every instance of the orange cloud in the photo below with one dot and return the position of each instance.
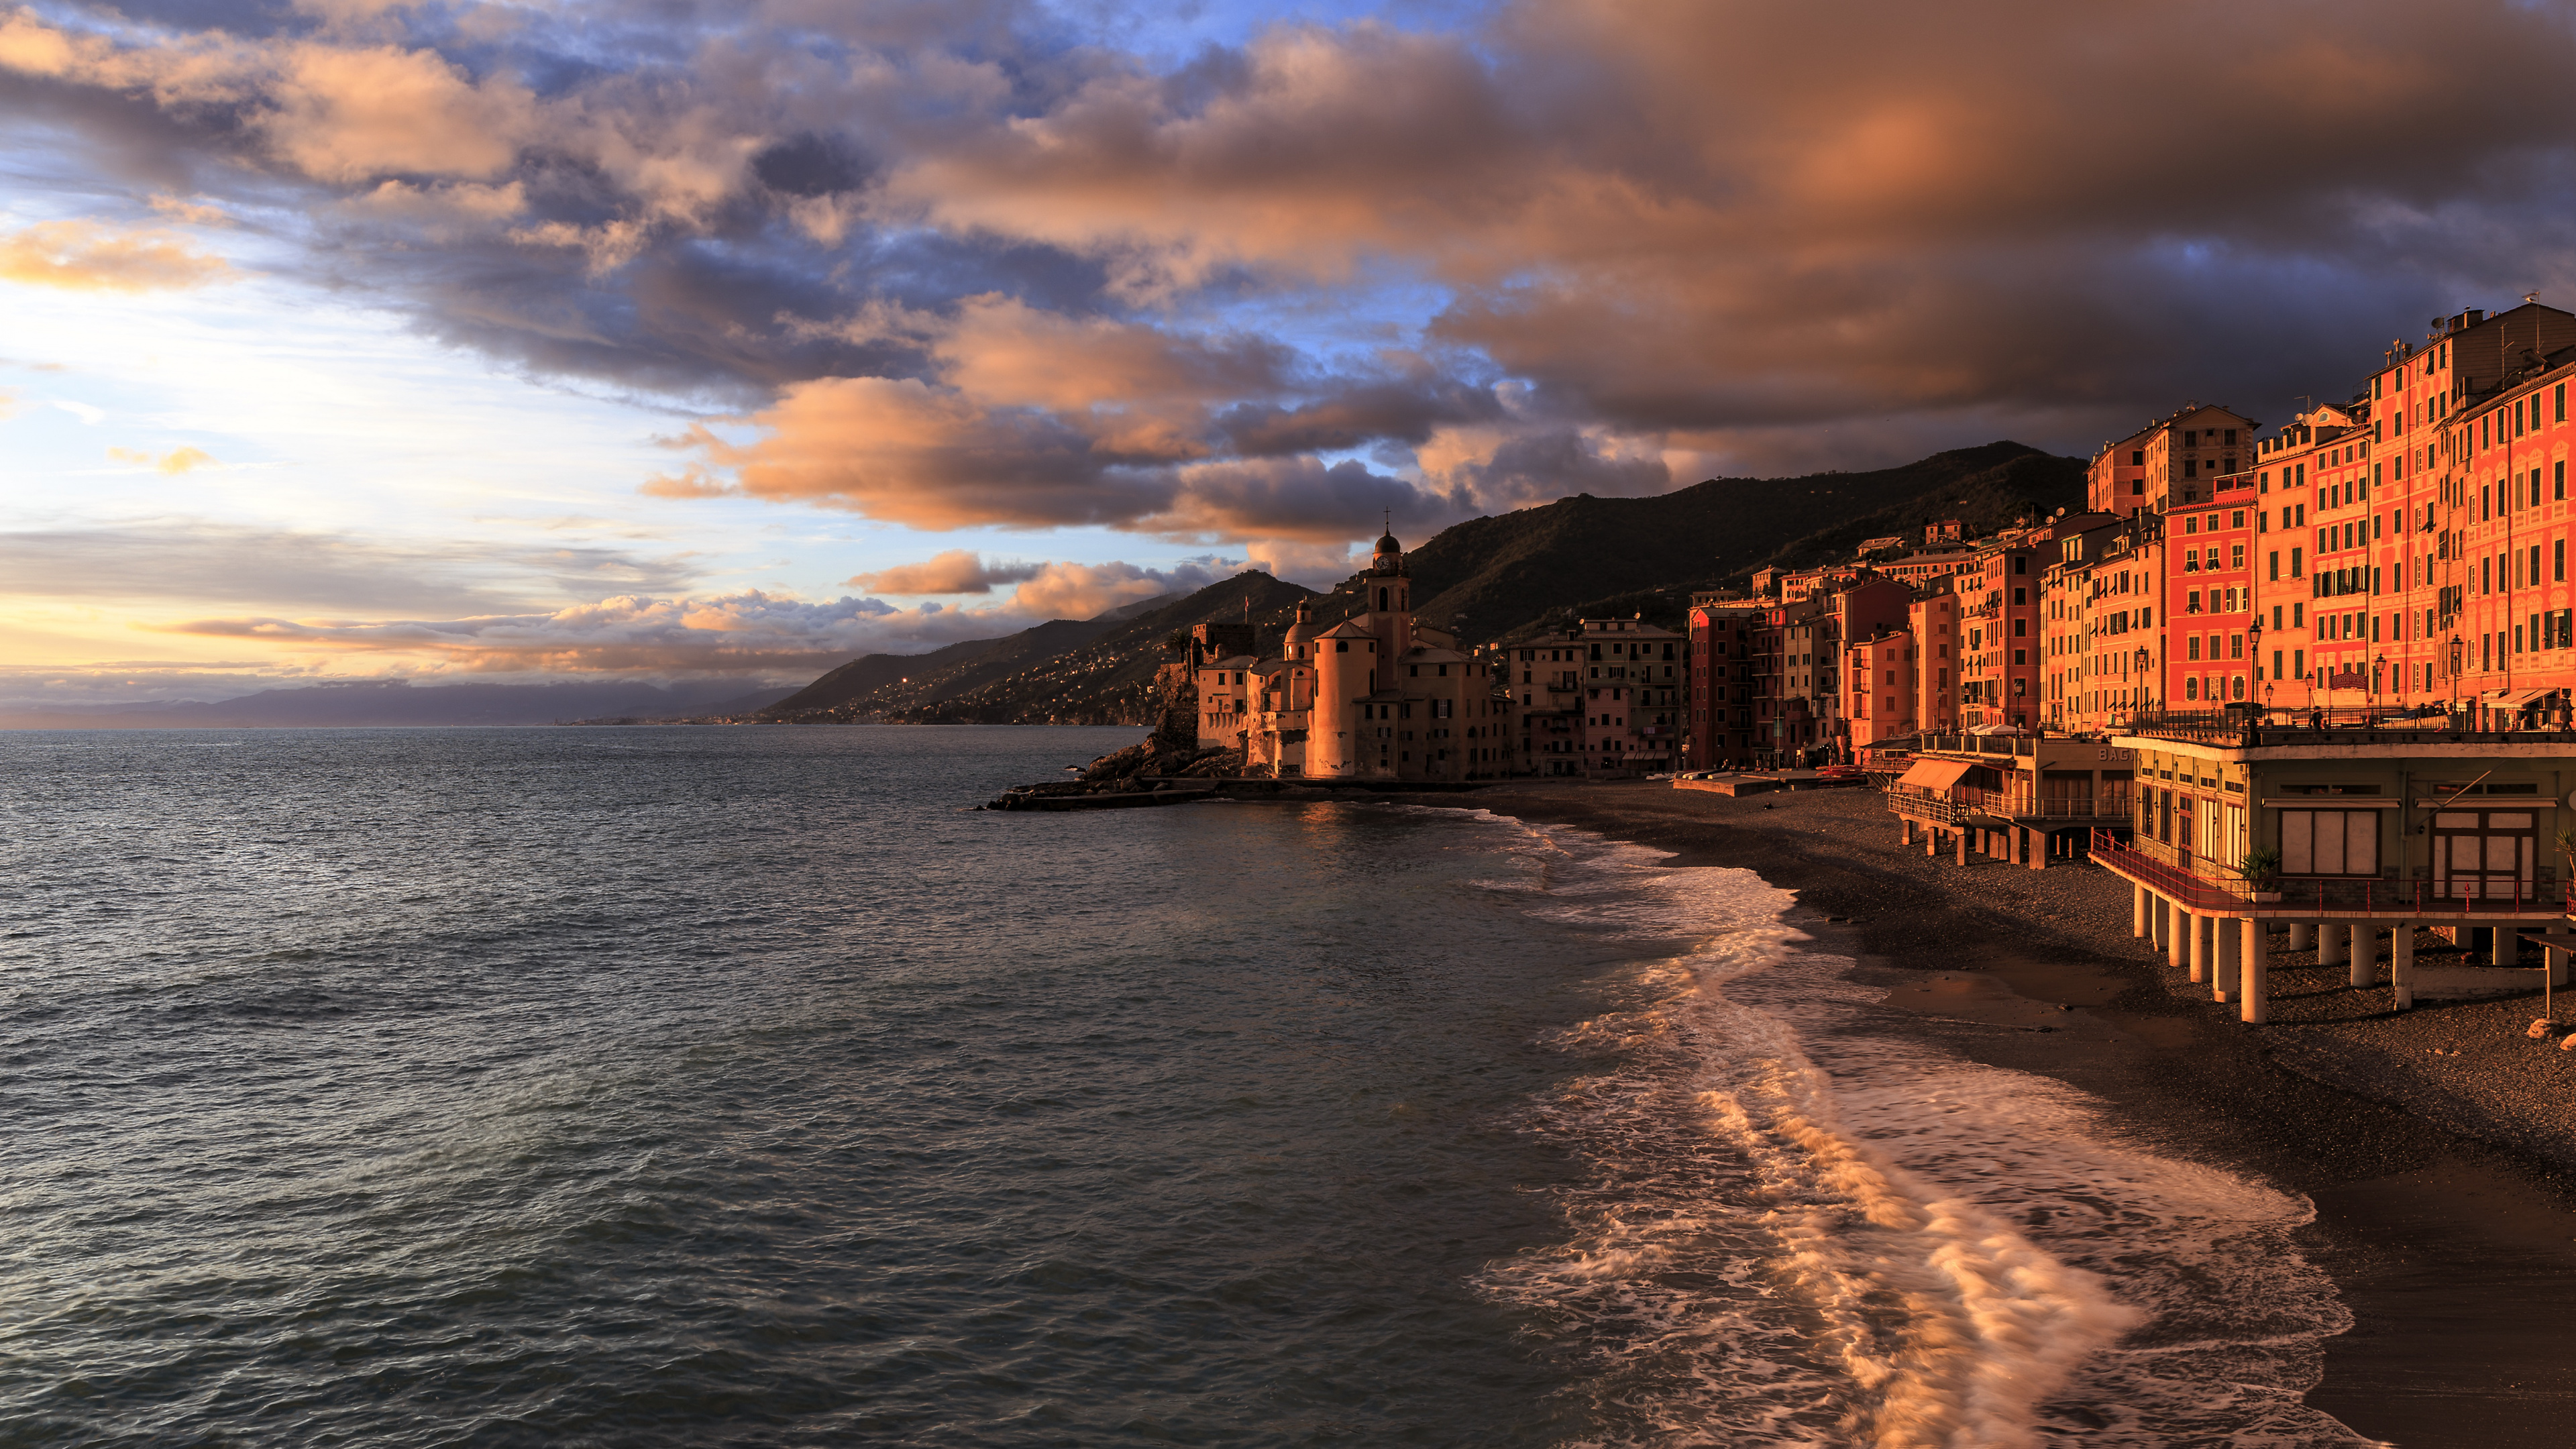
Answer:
(85, 256)
(348, 115)
(957, 571)
(1083, 591)
(904, 451)
(174, 462)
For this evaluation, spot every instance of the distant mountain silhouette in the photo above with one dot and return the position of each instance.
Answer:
(1090, 671)
(1490, 579)
(1494, 578)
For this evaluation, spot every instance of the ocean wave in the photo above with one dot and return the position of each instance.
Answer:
(1804, 1226)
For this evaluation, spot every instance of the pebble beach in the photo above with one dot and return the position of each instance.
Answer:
(2437, 1144)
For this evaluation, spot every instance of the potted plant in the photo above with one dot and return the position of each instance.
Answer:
(2262, 871)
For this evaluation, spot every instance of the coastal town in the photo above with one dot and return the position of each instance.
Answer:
(2311, 683)
(2397, 557)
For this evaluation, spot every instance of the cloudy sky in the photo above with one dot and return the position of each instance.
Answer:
(503, 342)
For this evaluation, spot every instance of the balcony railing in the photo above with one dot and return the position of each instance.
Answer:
(1969, 804)
(2311, 898)
(2248, 730)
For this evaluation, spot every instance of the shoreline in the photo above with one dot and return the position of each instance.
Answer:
(2445, 1200)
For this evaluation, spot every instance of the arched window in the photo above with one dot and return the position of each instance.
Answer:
(1381, 601)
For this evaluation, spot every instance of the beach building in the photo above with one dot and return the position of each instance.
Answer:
(2337, 834)
(1999, 615)
(1932, 617)
(2022, 798)
(1879, 672)
(1546, 680)
(1720, 723)
(1634, 684)
(2210, 624)
(2099, 619)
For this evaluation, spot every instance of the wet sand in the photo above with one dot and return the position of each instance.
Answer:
(2439, 1145)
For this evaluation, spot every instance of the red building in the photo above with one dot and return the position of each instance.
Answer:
(2209, 596)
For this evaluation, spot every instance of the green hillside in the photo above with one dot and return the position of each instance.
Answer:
(1492, 578)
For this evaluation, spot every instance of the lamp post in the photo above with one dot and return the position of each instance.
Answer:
(2378, 669)
(2254, 648)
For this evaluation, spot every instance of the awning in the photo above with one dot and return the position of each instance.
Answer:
(1935, 774)
(2510, 698)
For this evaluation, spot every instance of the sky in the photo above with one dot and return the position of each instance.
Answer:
(486, 343)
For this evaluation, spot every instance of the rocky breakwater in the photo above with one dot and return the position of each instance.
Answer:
(1160, 771)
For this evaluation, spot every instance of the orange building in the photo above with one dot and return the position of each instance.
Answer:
(2149, 469)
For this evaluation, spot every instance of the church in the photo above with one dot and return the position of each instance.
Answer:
(1377, 696)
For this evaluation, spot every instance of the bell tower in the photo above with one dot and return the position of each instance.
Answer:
(1387, 602)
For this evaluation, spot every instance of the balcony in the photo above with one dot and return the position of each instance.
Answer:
(2205, 890)
(1967, 803)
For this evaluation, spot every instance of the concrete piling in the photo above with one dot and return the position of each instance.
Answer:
(2364, 954)
(2254, 983)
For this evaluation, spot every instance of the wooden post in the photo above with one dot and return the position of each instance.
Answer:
(2401, 963)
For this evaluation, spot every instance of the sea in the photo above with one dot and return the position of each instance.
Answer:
(706, 1086)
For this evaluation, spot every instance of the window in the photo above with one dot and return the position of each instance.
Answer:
(2483, 853)
(2330, 842)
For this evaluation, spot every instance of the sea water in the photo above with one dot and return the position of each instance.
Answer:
(699, 1086)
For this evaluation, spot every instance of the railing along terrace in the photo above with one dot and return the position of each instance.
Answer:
(1962, 804)
(1923, 804)
(2246, 729)
(1981, 744)
(2311, 896)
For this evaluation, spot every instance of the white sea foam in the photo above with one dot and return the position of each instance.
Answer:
(1805, 1225)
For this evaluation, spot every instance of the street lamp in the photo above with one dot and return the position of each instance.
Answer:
(2254, 648)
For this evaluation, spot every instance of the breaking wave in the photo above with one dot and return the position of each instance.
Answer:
(1803, 1225)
